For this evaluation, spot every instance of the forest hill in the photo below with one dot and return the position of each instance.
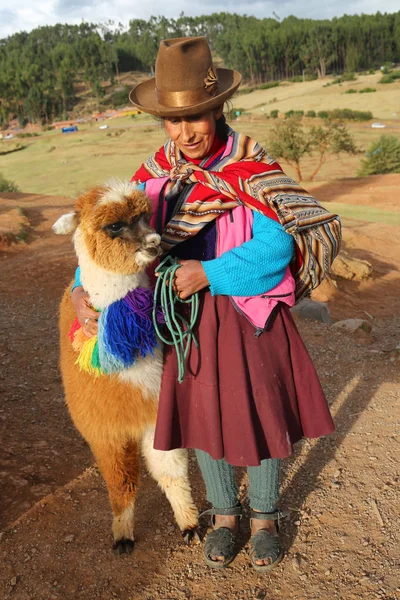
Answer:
(39, 70)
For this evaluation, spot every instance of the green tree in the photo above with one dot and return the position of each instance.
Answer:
(7, 186)
(333, 138)
(39, 70)
(290, 141)
(382, 156)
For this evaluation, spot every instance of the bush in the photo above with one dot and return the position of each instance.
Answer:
(268, 85)
(351, 91)
(242, 91)
(7, 186)
(350, 115)
(300, 78)
(382, 156)
(386, 79)
(289, 113)
(322, 114)
(296, 79)
(299, 113)
(348, 77)
(391, 78)
(22, 121)
(311, 113)
(117, 98)
(367, 90)
(344, 77)
(26, 135)
(274, 114)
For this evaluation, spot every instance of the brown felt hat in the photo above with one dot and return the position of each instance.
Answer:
(186, 82)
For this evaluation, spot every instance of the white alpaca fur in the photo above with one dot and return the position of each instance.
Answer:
(104, 287)
(146, 373)
(123, 524)
(170, 470)
(116, 190)
(65, 224)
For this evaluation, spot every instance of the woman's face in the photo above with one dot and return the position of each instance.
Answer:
(193, 135)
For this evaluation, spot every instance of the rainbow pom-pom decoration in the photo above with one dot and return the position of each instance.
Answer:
(126, 333)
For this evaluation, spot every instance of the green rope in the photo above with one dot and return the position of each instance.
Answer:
(180, 330)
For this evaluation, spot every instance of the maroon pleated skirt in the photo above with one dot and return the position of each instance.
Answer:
(243, 398)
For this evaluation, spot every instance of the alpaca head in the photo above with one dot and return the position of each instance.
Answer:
(111, 225)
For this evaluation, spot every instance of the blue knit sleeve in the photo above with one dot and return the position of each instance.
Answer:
(77, 281)
(256, 266)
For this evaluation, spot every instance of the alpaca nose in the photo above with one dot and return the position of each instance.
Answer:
(151, 244)
(152, 239)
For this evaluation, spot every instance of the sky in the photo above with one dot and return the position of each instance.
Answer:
(24, 15)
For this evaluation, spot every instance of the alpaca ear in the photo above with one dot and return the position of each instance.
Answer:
(66, 223)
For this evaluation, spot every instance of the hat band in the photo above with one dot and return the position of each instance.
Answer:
(182, 99)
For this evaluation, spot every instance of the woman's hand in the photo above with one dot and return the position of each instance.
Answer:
(87, 317)
(190, 278)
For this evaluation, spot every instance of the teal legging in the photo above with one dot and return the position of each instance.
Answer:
(222, 491)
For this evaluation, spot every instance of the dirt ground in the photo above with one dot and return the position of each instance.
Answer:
(341, 536)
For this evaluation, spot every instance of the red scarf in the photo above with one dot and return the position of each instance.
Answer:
(245, 174)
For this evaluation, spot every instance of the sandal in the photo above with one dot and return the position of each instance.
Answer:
(264, 544)
(221, 541)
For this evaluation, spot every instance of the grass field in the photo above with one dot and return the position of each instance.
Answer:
(363, 213)
(66, 164)
(315, 95)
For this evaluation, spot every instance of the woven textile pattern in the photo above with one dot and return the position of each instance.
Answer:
(247, 175)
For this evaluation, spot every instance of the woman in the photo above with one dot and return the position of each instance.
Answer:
(250, 390)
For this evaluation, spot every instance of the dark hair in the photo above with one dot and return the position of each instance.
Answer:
(222, 128)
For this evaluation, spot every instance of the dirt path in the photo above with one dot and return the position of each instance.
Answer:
(340, 537)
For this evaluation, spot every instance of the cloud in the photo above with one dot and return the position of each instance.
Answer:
(8, 16)
(62, 7)
(8, 21)
(26, 16)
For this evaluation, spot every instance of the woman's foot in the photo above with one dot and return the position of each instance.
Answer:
(231, 523)
(265, 547)
(219, 547)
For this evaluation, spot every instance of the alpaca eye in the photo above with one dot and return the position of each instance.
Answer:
(116, 227)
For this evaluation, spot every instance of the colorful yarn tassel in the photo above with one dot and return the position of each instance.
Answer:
(126, 333)
(75, 327)
(109, 363)
(79, 340)
(84, 359)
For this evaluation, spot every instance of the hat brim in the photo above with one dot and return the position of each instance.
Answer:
(143, 96)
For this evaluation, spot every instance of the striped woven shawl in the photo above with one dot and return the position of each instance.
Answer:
(245, 174)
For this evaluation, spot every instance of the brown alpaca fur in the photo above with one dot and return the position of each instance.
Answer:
(116, 414)
(111, 418)
(114, 255)
(111, 406)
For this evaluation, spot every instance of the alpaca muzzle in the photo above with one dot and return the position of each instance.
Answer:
(149, 249)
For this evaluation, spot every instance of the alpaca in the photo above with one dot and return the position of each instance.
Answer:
(115, 409)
